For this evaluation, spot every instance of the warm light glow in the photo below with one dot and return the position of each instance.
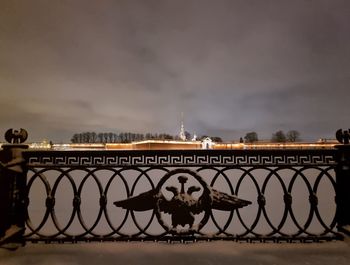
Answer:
(167, 142)
(172, 144)
(274, 145)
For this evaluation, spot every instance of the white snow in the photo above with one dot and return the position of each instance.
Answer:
(201, 253)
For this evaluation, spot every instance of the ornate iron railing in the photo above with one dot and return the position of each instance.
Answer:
(225, 194)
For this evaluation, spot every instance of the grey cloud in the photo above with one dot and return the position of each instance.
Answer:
(230, 66)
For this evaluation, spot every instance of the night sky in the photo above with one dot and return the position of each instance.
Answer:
(230, 66)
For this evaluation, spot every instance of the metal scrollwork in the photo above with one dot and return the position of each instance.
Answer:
(343, 136)
(183, 206)
(16, 136)
(174, 201)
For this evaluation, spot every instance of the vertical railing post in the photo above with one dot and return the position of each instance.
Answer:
(13, 205)
(343, 182)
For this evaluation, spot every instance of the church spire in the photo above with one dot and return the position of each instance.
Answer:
(182, 134)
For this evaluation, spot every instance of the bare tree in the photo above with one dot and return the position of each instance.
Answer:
(110, 137)
(100, 137)
(93, 137)
(216, 139)
(105, 137)
(88, 137)
(293, 136)
(251, 137)
(279, 137)
(75, 138)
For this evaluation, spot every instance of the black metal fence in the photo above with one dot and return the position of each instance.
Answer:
(174, 195)
(265, 195)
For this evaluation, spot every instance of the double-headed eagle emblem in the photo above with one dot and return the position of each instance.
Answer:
(185, 203)
(16, 136)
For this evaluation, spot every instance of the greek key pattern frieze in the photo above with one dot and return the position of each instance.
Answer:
(64, 159)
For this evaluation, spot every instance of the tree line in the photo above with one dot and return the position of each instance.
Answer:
(110, 137)
(127, 137)
(277, 137)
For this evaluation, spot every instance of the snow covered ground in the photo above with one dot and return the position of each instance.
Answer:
(203, 253)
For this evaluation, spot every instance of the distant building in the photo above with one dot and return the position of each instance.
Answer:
(156, 145)
(207, 143)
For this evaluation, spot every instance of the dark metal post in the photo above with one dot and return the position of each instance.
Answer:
(343, 182)
(13, 195)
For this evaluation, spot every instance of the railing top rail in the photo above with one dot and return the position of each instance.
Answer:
(328, 151)
(179, 157)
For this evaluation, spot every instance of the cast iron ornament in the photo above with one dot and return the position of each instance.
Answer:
(183, 206)
(343, 137)
(16, 137)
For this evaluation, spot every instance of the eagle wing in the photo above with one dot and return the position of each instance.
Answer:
(218, 200)
(339, 136)
(142, 202)
(225, 202)
(9, 135)
(202, 204)
(167, 206)
(148, 200)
